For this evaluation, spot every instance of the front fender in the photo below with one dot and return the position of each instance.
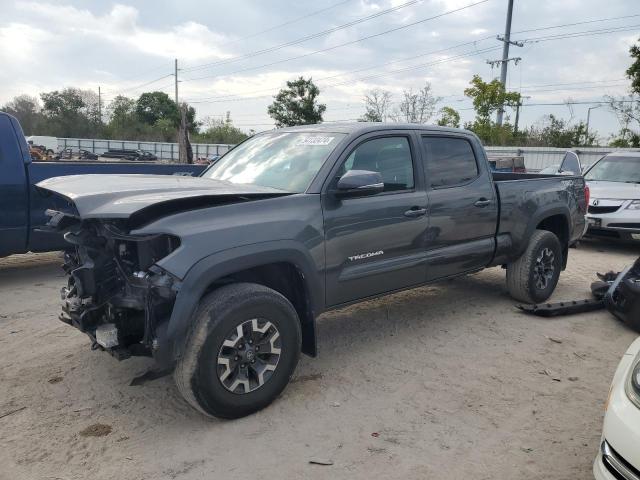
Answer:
(173, 336)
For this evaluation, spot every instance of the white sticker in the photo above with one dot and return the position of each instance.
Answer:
(314, 141)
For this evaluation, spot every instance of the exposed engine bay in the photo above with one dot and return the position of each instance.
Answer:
(115, 293)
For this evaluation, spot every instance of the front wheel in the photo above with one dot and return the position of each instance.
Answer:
(242, 351)
(533, 277)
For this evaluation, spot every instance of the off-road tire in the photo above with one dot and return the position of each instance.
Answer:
(521, 273)
(218, 313)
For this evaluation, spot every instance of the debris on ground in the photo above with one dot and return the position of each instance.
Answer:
(618, 292)
(11, 412)
(320, 461)
(56, 379)
(96, 430)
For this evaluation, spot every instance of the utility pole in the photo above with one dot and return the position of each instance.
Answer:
(515, 127)
(505, 56)
(586, 133)
(176, 79)
(99, 105)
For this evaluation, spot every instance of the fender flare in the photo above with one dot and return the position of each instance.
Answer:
(544, 214)
(173, 334)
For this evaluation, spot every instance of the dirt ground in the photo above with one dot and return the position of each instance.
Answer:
(446, 381)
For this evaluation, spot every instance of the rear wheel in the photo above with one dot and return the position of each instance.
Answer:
(533, 277)
(242, 351)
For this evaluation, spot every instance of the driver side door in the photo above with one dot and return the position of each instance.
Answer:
(376, 244)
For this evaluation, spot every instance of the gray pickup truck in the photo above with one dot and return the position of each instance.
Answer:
(220, 278)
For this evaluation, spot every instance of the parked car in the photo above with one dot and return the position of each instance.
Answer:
(619, 455)
(220, 278)
(614, 208)
(22, 216)
(570, 165)
(131, 155)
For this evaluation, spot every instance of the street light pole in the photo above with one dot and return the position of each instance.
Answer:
(586, 134)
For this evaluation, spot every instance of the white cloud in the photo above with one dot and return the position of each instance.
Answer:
(26, 36)
(120, 26)
(53, 44)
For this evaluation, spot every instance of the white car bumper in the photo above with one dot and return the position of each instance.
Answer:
(619, 456)
(612, 218)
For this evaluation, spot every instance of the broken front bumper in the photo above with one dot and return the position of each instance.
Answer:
(109, 296)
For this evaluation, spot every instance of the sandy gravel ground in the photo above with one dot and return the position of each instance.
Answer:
(447, 381)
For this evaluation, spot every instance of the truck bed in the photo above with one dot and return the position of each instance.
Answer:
(520, 195)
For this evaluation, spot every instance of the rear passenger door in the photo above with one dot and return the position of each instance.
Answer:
(376, 244)
(463, 207)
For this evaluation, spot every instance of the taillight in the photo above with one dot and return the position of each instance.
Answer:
(587, 193)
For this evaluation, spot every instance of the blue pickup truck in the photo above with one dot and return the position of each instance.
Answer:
(23, 207)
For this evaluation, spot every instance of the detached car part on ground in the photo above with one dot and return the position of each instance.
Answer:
(220, 278)
(619, 456)
(617, 292)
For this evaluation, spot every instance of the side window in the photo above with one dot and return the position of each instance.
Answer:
(450, 161)
(390, 156)
(571, 164)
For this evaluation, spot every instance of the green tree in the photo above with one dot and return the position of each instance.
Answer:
(71, 113)
(154, 106)
(449, 117)
(297, 104)
(220, 131)
(68, 102)
(487, 98)
(633, 72)
(556, 132)
(28, 111)
(122, 110)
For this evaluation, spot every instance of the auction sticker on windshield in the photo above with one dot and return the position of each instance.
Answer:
(314, 141)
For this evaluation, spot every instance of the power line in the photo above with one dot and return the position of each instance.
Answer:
(142, 85)
(368, 37)
(433, 52)
(575, 88)
(594, 102)
(573, 83)
(392, 72)
(414, 67)
(305, 38)
(563, 36)
(289, 22)
(562, 25)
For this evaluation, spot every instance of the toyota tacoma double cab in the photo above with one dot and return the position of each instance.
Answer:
(220, 278)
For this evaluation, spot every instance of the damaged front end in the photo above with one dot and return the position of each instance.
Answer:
(115, 292)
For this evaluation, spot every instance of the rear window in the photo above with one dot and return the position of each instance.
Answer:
(449, 161)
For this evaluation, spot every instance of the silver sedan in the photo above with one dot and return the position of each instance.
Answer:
(614, 205)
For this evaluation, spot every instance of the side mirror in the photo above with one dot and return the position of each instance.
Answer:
(359, 183)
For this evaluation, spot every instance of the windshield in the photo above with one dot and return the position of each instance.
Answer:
(286, 161)
(614, 168)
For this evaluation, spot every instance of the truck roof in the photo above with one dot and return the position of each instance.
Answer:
(365, 127)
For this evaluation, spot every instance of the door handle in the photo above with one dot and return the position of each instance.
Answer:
(482, 202)
(415, 212)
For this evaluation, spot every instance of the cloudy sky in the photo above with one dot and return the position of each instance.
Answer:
(233, 56)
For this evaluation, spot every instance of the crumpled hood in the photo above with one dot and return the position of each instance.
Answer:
(120, 196)
(614, 190)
